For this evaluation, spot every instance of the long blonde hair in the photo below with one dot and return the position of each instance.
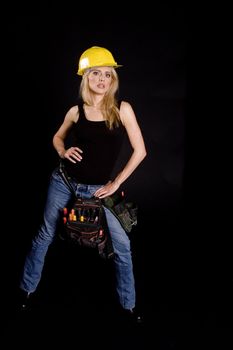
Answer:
(109, 106)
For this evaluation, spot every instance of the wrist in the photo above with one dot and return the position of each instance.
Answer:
(61, 153)
(117, 182)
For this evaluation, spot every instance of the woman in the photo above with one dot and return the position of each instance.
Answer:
(98, 125)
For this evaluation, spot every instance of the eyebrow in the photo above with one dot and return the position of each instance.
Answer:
(98, 70)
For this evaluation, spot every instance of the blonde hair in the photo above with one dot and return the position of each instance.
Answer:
(109, 106)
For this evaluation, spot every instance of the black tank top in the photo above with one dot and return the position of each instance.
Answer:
(100, 147)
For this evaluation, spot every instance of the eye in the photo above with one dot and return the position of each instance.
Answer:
(108, 75)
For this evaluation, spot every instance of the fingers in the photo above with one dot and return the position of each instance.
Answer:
(101, 190)
(106, 190)
(73, 154)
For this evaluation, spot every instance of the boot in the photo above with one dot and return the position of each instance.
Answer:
(24, 299)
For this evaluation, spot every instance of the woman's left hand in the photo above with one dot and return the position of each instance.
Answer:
(107, 189)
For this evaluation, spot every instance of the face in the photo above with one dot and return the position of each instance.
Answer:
(100, 79)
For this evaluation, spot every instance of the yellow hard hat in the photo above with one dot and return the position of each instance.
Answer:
(96, 56)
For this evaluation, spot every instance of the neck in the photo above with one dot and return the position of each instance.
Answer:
(95, 104)
(97, 101)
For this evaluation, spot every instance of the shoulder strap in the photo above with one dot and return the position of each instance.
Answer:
(80, 108)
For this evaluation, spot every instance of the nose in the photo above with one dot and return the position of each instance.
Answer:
(102, 77)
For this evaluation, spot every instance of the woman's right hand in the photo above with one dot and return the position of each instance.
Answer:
(73, 154)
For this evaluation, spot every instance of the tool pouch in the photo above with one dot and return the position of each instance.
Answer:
(85, 224)
(125, 211)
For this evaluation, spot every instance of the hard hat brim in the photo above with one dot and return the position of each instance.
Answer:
(82, 71)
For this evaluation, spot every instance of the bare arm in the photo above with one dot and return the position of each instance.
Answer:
(138, 146)
(73, 153)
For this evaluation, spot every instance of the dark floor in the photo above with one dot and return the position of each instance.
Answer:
(185, 304)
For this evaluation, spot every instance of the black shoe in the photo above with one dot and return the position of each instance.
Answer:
(132, 316)
(24, 299)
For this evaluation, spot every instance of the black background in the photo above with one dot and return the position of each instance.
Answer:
(42, 51)
(42, 55)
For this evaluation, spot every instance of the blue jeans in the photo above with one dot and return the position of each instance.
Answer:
(58, 197)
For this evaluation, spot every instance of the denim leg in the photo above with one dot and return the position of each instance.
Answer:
(57, 198)
(125, 283)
